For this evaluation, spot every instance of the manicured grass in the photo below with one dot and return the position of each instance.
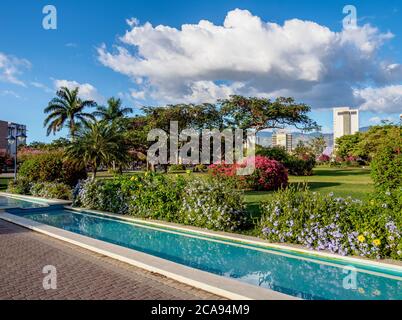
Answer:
(4, 183)
(343, 182)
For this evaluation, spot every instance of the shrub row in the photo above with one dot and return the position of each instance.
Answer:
(208, 203)
(343, 226)
(48, 190)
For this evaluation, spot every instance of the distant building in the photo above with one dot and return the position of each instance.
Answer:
(8, 129)
(346, 122)
(284, 140)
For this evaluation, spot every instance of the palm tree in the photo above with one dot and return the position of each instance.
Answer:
(113, 112)
(67, 109)
(98, 143)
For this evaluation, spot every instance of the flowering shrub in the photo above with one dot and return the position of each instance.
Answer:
(207, 203)
(51, 190)
(324, 158)
(342, 226)
(268, 174)
(213, 204)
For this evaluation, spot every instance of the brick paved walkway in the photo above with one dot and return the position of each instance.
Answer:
(81, 274)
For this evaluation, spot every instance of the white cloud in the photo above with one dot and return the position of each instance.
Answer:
(384, 99)
(10, 93)
(11, 67)
(245, 55)
(86, 90)
(42, 86)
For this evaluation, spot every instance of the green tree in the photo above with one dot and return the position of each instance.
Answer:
(113, 111)
(262, 113)
(346, 145)
(317, 145)
(67, 109)
(99, 143)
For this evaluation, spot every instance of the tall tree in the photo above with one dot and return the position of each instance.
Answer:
(67, 109)
(113, 111)
(261, 113)
(99, 143)
(318, 145)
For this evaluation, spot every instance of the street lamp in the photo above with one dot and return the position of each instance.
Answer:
(15, 139)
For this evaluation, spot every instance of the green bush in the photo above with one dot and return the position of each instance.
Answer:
(177, 167)
(21, 186)
(300, 167)
(295, 165)
(52, 167)
(386, 168)
(214, 204)
(343, 226)
(200, 168)
(156, 196)
(51, 190)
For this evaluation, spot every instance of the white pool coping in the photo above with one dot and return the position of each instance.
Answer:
(34, 200)
(219, 285)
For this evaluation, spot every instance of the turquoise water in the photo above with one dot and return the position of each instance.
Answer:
(287, 273)
(6, 202)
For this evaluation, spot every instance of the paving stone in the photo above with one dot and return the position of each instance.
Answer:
(81, 274)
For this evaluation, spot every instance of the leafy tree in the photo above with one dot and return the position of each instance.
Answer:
(317, 145)
(366, 145)
(99, 143)
(303, 151)
(67, 109)
(346, 145)
(262, 113)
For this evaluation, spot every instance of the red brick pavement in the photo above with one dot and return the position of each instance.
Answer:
(81, 274)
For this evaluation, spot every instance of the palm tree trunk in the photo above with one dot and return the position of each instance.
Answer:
(94, 171)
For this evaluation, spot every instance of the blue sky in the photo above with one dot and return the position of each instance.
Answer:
(262, 51)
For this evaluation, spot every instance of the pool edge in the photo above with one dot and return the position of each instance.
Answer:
(248, 240)
(218, 285)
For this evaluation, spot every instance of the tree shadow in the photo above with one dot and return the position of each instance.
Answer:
(342, 172)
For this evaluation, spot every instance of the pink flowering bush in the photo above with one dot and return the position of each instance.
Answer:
(324, 158)
(268, 174)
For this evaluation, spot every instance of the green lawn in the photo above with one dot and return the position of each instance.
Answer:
(4, 183)
(354, 182)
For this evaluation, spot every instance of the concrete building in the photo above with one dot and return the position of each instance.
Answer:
(8, 129)
(281, 139)
(346, 122)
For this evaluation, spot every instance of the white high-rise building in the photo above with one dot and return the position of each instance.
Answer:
(346, 122)
(282, 139)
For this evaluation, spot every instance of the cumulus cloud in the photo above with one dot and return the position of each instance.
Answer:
(11, 67)
(246, 55)
(384, 99)
(86, 90)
